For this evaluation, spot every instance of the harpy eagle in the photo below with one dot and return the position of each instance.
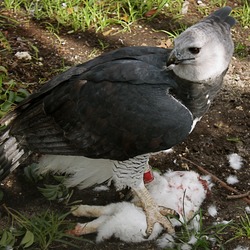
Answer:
(102, 119)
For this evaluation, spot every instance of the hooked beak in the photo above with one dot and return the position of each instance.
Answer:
(172, 59)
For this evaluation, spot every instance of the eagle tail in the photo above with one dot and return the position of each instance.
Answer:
(11, 154)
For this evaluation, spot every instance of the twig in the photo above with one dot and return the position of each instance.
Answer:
(216, 179)
(238, 196)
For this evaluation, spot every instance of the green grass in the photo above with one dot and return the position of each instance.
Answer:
(6, 22)
(218, 3)
(91, 14)
(243, 230)
(240, 50)
(83, 15)
(242, 227)
(4, 43)
(10, 92)
(202, 239)
(44, 229)
(173, 34)
(242, 14)
(50, 186)
(36, 232)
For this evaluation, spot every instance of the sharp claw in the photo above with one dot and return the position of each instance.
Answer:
(159, 214)
(167, 225)
(154, 213)
(146, 236)
(149, 230)
(167, 211)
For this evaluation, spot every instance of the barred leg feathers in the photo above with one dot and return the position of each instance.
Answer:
(11, 154)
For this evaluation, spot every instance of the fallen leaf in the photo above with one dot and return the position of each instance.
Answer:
(125, 18)
(150, 13)
(166, 43)
(106, 33)
(70, 10)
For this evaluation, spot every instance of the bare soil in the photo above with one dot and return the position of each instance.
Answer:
(223, 130)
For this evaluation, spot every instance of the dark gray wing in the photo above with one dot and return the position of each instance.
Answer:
(116, 106)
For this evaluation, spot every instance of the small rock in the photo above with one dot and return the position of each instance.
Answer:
(199, 2)
(184, 9)
(23, 55)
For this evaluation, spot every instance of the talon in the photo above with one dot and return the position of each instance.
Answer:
(154, 213)
(149, 230)
(154, 216)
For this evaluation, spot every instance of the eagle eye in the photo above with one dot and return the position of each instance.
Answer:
(194, 50)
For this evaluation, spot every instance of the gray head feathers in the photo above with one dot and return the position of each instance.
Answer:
(223, 15)
(203, 51)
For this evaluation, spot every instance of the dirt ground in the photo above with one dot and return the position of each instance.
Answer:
(225, 129)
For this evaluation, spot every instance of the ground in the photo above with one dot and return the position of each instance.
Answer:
(225, 129)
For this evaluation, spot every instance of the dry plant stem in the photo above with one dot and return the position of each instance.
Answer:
(238, 196)
(216, 179)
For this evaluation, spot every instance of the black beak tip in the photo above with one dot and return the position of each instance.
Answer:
(169, 62)
(172, 60)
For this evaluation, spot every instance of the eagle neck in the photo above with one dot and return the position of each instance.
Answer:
(197, 96)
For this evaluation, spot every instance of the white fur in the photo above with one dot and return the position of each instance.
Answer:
(128, 223)
(232, 179)
(212, 210)
(241, 248)
(223, 222)
(235, 161)
(179, 190)
(182, 189)
(247, 209)
(166, 241)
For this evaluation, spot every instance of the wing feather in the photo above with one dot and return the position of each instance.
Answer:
(114, 107)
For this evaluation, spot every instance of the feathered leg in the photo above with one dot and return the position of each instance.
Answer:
(131, 173)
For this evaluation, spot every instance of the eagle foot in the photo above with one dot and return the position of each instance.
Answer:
(157, 214)
(154, 213)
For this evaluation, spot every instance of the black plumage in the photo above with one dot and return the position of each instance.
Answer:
(115, 107)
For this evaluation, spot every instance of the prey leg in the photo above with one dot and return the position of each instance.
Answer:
(154, 213)
(94, 211)
(87, 211)
(87, 228)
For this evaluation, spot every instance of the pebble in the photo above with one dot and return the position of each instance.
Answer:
(23, 55)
